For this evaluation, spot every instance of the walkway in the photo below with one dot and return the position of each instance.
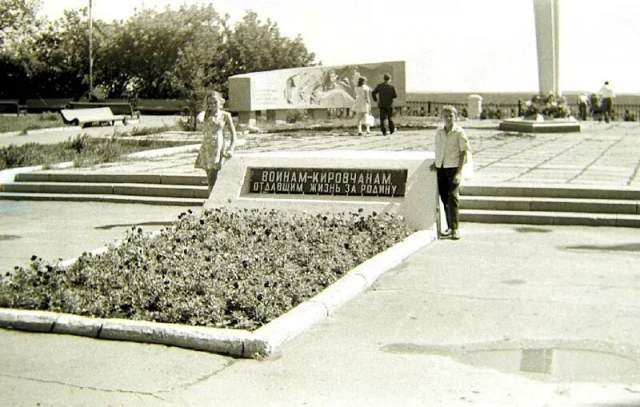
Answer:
(601, 155)
(429, 333)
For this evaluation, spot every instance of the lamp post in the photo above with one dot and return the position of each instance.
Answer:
(90, 49)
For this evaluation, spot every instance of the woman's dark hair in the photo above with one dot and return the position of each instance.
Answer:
(361, 80)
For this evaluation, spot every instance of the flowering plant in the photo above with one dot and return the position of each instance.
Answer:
(223, 268)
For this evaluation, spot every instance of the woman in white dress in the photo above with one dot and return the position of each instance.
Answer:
(212, 151)
(362, 105)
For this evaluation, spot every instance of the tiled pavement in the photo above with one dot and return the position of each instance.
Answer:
(601, 155)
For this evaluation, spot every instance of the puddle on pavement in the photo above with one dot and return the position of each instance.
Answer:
(629, 247)
(9, 237)
(526, 229)
(514, 281)
(567, 363)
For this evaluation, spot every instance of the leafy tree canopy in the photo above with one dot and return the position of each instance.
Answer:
(17, 21)
(173, 53)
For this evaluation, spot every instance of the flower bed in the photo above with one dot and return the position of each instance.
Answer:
(221, 268)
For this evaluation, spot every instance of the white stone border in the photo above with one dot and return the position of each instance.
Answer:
(264, 342)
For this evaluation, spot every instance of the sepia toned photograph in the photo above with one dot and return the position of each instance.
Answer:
(320, 203)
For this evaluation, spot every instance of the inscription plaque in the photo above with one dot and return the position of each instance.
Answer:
(328, 181)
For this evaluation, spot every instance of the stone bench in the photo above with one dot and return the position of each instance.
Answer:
(162, 106)
(40, 105)
(117, 108)
(10, 106)
(80, 117)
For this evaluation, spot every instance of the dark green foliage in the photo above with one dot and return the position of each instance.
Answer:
(223, 268)
(174, 53)
(82, 150)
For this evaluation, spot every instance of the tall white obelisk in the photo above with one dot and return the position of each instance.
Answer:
(547, 16)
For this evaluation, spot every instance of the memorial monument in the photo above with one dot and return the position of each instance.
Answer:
(547, 21)
(398, 182)
(315, 89)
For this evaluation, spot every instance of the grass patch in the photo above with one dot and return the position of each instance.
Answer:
(222, 268)
(28, 122)
(82, 150)
(145, 131)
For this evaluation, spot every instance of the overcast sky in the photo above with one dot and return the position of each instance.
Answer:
(453, 45)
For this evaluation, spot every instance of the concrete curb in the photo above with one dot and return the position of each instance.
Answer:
(161, 152)
(53, 129)
(9, 175)
(264, 342)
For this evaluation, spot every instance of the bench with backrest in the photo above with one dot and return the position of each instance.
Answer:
(161, 106)
(98, 115)
(39, 105)
(117, 108)
(10, 106)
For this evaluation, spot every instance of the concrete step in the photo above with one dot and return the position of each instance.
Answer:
(549, 218)
(551, 191)
(150, 200)
(510, 203)
(173, 191)
(44, 176)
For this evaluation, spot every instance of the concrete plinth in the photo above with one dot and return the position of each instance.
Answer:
(544, 126)
(277, 116)
(474, 106)
(319, 114)
(248, 118)
(331, 181)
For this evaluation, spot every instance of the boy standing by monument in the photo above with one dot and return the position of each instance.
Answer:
(452, 146)
(384, 93)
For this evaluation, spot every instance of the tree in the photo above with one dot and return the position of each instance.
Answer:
(18, 21)
(161, 47)
(257, 46)
(59, 66)
(170, 54)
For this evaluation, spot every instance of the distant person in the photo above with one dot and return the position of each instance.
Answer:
(212, 151)
(384, 94)
(607, 94)
(595, 107)
(362, 105)
(452, 146)
(583, 106)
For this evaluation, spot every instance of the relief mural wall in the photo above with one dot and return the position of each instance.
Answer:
(310, 87)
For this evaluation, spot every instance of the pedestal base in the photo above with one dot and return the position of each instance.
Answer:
(541, 126)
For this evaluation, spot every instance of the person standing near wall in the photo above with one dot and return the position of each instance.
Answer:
(583, 106)
(384, 93)
(362, 105)
(452, 146)
(212, 151)
(607, 94)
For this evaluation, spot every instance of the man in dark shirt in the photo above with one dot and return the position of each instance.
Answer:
(384, 94)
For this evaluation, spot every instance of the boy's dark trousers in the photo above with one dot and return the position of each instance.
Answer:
(385, 114)
(449, 194)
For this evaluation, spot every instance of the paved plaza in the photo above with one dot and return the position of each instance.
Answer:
(457, 324)
(600, 155)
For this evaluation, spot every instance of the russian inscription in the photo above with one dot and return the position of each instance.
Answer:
(328, 181)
